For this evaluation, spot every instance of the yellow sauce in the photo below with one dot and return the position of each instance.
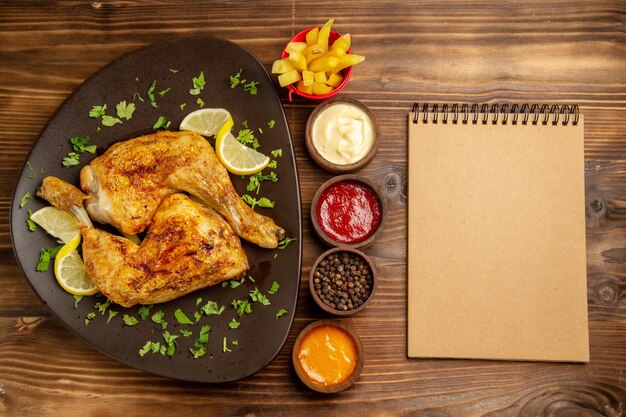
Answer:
(343, 133)
(328, 355)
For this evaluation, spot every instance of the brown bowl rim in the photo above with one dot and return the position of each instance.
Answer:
(332, 388)
(327, 239)
(323, 162)
(320, 303)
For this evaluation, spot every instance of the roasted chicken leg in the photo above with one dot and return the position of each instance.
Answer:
(128, 182)
(187, 247)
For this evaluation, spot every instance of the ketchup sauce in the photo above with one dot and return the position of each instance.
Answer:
(348, 211)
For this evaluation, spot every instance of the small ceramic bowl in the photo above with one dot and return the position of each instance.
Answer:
(328, 389)
(336, 311)
(316, 205)
(347, 72)
(319, 158)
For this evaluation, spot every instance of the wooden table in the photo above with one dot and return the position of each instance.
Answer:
(558, 52)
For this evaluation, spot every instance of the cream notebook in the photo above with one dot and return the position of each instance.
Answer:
(496, 240)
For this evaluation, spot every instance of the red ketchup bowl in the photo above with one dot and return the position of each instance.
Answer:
(347, 72)
(348, 211)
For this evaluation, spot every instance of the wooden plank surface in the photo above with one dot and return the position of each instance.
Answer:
(532, 51)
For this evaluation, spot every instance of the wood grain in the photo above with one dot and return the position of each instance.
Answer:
(559, 52)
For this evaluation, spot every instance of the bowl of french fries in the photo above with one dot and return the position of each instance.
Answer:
(316, 63)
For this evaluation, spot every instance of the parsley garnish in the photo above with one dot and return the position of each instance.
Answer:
(200, 102)
(112, 314)
(45, 256)
(198, 301)
(164, 92)
(170, 339)
(125, 111)
(234, 324)
(151, 94)
(272, 164)
(251, 87)
(259, 297)
(274, 289)
(233, 283)
(130, 320)
(235, 80)
(271, 124)
(98, 111)
(198, 84)
(161, 123)
(277, 152)
(261, 202)
(32, 226)
(110, 120)
(89, 317)
(72, 159)
(186, 332)
(77, 299)
(211, 307)
(24, 200)
(251, 278)
(31, 173)
(203, 338)
(138, 97)
(281, 313)
(246, 136)
(224, 346)
(102, 308)
(158, 319)
(286, 241)
(182, 317)
(242, 306)
(79, 144)
(254, 182)
(182, 105)
(144, 311)
(173, 71)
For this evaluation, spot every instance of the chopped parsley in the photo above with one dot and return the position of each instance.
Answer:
(79, 144)
(281, 313)
(72, 159)
(182, 317)
(203, 338)
(90, 316)
(198, 301)
(286, 241)
(45, 256)
(200, 102)
(235, 342)
(144, 311)
(198, 84)
(150, 346)
(77, 299)
(235, 80)
(242, 307)
(138, 96)
(259, 297)
(32, 226)
(158, 318)
(246, 137)
(234, 324)
(25, 199)
(271, 124)
(170, 339)
(272, 164)
(212, 308)
(277, 152)
(254, 181)
(151, 94)
(129, 320)
(102, 307)
(173, 71)
(164, 92)
(261, 202)
(251, 87)
(233, 283)
(182, 105)
(31, 173)
(98, 111)
(251, 278)
(112, 314)
(125, 111)
(274, 289)
(161, 123)
(110, 120)
(186, 332)
(225, 346)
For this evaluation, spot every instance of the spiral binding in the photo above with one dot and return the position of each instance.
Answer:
(498, 113)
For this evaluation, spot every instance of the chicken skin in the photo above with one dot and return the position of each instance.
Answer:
(187, 247)
(129, 181)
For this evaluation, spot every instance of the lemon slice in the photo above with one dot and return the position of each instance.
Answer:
(70, 270)
(237, 157)
(57, 222)
(207, 122)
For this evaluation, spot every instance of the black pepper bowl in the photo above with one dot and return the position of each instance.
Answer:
(346, 290)
(318, 228)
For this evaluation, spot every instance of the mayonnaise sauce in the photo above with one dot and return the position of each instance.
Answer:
(343, 133)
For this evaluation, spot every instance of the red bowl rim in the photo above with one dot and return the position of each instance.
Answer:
(347, 72)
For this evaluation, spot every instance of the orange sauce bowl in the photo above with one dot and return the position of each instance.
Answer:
(328, 356)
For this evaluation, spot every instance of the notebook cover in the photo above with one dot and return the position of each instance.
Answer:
(496, 242)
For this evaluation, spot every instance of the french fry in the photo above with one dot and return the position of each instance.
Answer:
(281, 66)
(298, 60)
(311, 36)
(321, 88)
(324, 64)
(313, 52)
(322, 38)
(340, 46)
(289, 77)
(303, 88)
(346, 61)
(335, 79)
(295, 47)
(320, 77)
(308, 78)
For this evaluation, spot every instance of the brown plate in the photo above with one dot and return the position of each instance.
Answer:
(174, 64)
